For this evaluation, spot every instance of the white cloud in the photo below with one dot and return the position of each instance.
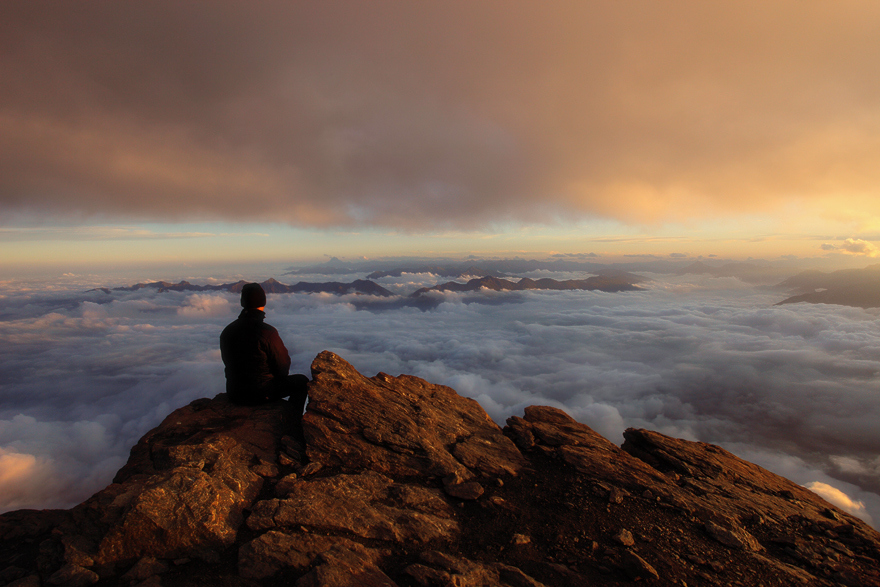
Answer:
(840, 499)
(205, 306)
(854, 246)
(704, 359)
(847, 464)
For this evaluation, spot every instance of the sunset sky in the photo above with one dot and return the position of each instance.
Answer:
(215, 141)
(209, 131)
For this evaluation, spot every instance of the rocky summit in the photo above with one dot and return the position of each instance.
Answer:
(394, 481)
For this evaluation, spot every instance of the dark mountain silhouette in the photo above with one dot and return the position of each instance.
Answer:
(360, 286)
(459, 271)
(397, 482)
(376, 269)
(846, 287)
(613, 282)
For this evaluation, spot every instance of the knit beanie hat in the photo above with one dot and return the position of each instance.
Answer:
(252, 296)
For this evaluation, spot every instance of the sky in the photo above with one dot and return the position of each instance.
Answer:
(217, 141)
(136, 132)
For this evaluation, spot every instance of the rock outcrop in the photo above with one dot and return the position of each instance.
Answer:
(394, 481)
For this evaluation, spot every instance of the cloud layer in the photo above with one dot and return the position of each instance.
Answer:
(423, 115)
(793, 388)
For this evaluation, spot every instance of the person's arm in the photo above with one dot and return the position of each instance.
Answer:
(279, 358)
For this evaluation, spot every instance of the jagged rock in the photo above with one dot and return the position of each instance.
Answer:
(75, 549)
(514, 577)
(624, 537)
(637, 567)
(616, 495)
(584, 449)
(73, 576)
(733, 537)
(437, 568)
(468, 491)
(188, 482)
(400, 425)
(144, 569)
(273, 551)
(386, 491)
(182, 509)
(353, 566)
(369, 505)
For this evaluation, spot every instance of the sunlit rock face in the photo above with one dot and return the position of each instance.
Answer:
(394, 481)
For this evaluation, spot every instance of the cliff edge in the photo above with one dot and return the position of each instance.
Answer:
(394, 481)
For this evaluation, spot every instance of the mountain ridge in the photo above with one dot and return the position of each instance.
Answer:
(395, 481)
(611, 281)
(846, 287)
(271, 285)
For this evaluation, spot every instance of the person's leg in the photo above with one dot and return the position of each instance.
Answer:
(298, 389)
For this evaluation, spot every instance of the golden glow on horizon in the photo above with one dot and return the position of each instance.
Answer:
(118, 246)
(738, 129)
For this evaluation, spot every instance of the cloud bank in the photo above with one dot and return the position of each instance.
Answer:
(452, 114)
(854, 246)
(793, 388)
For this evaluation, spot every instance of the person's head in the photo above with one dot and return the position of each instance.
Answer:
(253, 296)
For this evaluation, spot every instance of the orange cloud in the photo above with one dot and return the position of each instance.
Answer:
(840, 499)
(854, 246)
(447, 116)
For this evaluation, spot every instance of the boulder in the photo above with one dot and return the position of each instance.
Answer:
(400, 426)
(368, 505)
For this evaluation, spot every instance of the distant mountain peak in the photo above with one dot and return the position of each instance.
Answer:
(846, 287)
(272, 285)
(609, 283)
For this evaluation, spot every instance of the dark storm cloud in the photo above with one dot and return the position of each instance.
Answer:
(431, 114)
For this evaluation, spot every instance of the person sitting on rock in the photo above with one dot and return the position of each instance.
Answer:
(256, 360)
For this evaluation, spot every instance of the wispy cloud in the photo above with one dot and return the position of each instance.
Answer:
(854, 246)
(106, 233)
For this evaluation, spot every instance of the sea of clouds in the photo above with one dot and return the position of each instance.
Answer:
(794, 388)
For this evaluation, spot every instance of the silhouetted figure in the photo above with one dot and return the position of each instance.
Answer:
(257, 362)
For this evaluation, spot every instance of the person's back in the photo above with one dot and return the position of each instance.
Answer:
(256, 360)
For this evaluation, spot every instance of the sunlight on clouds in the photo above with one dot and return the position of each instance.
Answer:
(854, 246)
(205, 306)
(25, 481)
(859, 247)
(14, 467)
(840, 499)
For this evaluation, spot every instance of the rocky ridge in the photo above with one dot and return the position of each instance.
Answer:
(609, 283)
(847, 287)
(394, 481)
(358, 286)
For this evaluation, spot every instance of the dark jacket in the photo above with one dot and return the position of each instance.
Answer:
(255, 358)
